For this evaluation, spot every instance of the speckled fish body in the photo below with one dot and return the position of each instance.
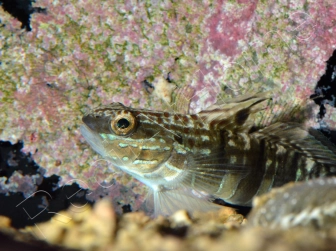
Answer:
(187, 160)
(309, 204)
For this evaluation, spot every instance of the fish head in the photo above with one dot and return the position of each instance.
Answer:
(129, 138)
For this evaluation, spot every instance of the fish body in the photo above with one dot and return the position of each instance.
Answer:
(188, 160)
(309, 204)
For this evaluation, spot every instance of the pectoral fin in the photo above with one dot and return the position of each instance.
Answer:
(168, 201)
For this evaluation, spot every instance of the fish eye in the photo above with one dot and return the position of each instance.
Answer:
(123, 124)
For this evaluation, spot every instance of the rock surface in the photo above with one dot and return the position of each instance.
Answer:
(99, 228)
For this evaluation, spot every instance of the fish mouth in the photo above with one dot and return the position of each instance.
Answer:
(97, 124)
(94, 139)
(87, 120)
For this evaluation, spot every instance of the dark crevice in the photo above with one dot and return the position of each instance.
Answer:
(180, 231)
(126, 208)
(325, 93)
(22, 11)
(48, 198)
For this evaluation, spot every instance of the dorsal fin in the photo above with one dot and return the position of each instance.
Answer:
(237, 113)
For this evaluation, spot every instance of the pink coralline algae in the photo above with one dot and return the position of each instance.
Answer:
(20, 183)
(86, 53)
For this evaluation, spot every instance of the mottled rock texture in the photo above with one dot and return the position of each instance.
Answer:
(99, 228)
